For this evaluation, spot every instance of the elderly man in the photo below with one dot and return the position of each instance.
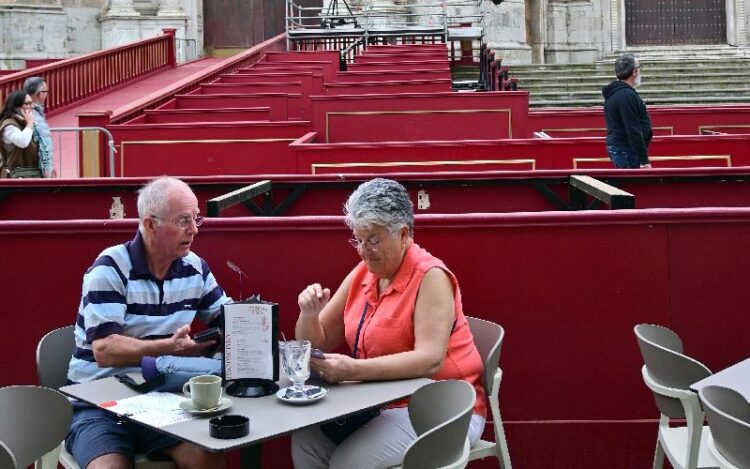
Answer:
(36, 87)
(139, 299)
(628, 124)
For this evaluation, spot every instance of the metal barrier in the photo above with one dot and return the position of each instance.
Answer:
(85, 156)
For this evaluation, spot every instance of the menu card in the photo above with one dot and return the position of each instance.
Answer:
(251, 349)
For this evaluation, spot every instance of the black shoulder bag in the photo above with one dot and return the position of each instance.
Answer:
(340, 429)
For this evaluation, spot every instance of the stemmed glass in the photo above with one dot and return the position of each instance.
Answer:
(297, 364)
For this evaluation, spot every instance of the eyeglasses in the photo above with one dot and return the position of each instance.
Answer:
(183, 222)
(373, 242)
(28, 103)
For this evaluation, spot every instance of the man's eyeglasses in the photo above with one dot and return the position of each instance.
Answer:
(184, 222)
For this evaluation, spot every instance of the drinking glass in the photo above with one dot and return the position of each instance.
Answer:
(297, 364)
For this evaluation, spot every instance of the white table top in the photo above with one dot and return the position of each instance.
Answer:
(269, 417)
(735, 377)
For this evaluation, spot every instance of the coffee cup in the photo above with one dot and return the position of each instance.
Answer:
(204, 391)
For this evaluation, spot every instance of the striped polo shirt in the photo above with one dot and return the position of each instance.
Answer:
(121, 296)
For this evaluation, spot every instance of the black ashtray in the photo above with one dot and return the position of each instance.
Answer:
(227, 427)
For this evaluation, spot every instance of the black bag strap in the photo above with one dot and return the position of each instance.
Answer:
(144, 387)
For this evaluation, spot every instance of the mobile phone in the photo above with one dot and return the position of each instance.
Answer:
(317, 353)
(208, 334)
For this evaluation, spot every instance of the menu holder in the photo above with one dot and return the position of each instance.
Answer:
(251, 348)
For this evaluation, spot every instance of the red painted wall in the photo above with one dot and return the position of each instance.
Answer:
(670, 120)
(489, 192)
(568, 288)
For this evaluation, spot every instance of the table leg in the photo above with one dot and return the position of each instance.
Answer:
(250, 457)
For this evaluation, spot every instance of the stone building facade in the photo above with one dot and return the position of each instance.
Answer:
(520, 31)
(58, 29)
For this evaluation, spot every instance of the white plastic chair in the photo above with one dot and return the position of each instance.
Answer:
(728, 416)
(34, 421)
(52, 358)
(7, 460)
(669, 374)
(488, 338)
(440, 413)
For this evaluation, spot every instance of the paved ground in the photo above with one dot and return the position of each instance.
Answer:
(65, 143)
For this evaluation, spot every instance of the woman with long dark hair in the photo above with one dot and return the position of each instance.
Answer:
(19, 151)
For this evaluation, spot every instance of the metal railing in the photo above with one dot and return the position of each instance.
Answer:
(338, 26)
(70, 150)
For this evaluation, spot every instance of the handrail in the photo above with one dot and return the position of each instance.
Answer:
(73, 79)
(110, 143)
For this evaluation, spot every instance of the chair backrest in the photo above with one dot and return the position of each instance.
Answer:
(440, 413)
(661, 350)
(34, 421)
(53, 357)
(728, 416)
(7, 460)
(488, 338)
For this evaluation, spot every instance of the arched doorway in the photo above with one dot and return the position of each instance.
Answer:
(671, 22)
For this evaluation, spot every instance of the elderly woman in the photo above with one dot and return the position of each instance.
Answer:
(399, 311)
(18, 149)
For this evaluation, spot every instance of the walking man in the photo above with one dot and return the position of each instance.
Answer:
(628, 124)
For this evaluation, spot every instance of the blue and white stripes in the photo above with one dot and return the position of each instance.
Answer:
(121, 297)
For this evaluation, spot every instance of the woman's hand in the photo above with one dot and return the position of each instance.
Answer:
(334, 368)
(28, 116)
(312, 299)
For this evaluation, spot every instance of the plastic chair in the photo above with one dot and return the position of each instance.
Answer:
(488, 338)
(728, 416)
(669, 374)
(35, 420)
(52, 358)
(440, 413)
(7, 460)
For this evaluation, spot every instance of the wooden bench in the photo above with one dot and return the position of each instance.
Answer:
(163, 116)
(420, 116)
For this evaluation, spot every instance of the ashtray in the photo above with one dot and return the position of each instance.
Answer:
(227, 427)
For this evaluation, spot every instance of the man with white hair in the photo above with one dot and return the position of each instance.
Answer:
(37, 88)
(139, 299)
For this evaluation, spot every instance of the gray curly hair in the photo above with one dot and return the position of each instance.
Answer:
(380, 202)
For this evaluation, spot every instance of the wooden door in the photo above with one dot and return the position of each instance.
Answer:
(244, 23)
(671, 22)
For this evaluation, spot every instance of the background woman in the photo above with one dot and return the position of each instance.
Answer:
(19, 151)
(400, 313)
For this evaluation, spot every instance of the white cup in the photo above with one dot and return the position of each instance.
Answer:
(204, 391)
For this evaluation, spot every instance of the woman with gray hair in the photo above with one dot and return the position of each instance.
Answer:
(399, 312)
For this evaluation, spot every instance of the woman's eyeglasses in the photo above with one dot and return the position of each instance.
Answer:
(373, 243)
(28, 103)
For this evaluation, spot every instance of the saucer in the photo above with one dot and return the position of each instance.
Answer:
(224, 404)
(313, 394)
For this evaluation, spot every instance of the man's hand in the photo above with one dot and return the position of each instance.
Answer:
(646, 166)
(184, 345)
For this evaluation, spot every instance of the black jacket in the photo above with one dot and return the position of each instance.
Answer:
(628, 123)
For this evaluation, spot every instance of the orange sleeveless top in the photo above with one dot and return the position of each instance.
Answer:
(388, 321)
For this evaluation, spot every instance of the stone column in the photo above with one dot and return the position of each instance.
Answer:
(31, 29)
(170, 8)
(121, 8)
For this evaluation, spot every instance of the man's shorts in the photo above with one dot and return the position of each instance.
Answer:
(95, 432)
